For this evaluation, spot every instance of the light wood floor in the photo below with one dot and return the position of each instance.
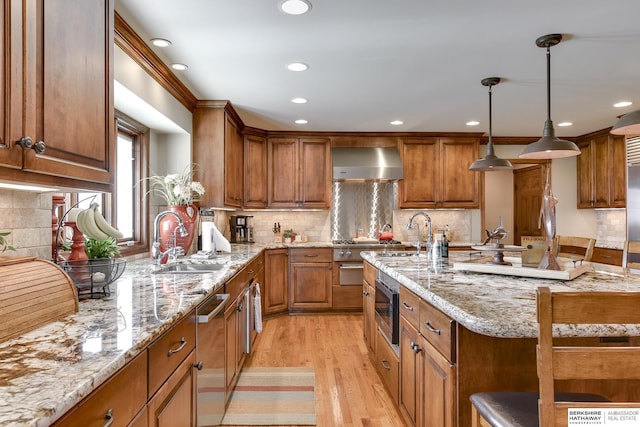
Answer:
(349, 391)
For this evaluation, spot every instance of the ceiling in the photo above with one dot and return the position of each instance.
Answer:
(419, 61)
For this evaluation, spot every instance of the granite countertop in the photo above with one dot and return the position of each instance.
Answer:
(47, 371)
(496, 305)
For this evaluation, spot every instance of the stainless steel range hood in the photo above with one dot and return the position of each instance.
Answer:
(374, 163)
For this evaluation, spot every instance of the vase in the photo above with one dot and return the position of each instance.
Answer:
(169, 224)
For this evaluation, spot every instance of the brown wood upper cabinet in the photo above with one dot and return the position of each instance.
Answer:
(56, 118)
(299, 173)
(255, 171)
(436, 173)
(601, 171)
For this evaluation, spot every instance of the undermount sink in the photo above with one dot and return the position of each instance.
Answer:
(189, 269)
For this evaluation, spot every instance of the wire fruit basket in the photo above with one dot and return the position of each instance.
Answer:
(92, 277)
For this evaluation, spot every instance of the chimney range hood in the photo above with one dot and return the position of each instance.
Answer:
(371, 163)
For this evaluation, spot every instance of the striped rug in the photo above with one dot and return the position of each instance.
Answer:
(273, 396)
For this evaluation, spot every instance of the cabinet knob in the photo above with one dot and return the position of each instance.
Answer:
(109, 417)
(198, 366)
(39, 147)
(26, 142)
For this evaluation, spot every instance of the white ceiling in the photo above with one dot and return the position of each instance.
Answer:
(420, 61)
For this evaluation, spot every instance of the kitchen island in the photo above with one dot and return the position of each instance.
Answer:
(486, 334)
(46, 372)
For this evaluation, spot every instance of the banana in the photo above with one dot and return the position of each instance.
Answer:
(80, 220)
(103, 225)
(88, 225)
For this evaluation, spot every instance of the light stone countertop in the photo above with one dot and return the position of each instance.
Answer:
(47, 371)
(497, 305)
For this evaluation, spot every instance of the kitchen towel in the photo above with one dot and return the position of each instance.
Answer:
(258, 309)
(212, 239)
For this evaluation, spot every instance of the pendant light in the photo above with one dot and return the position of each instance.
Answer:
(629, 124)
(490, 162)
(549, 146)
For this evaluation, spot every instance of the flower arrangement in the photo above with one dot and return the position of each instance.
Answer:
(177, 189)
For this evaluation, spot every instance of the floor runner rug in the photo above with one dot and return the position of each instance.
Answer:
(273, 396)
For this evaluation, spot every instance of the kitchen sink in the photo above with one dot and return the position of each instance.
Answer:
(189, 269)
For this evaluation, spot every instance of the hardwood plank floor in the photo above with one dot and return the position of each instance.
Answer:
(349, 391)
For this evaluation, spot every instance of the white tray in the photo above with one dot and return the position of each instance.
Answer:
(568, 272)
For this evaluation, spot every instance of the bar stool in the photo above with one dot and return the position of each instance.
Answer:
(575, 247)
(631, 255)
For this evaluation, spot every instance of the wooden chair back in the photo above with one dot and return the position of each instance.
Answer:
(575, 247)
(631, 255)
(582, 362)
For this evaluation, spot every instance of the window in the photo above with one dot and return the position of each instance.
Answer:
(127, 207)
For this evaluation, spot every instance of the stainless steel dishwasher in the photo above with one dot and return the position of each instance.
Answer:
(210, 356)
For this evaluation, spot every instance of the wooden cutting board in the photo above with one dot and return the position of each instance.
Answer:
(33, 293)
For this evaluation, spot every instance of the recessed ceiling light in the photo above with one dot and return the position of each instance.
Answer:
(179, 67)
(301, 122)
(473, 123)
(161, 42)
(295, 7)
(299, 100)
(564, 124)
(622, 104)
(397, 122)
(297, 66)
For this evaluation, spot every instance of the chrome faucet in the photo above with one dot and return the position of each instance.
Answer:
(429, 242)
(156, 253)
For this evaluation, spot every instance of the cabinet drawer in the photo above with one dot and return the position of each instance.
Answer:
(388, 365)
(168, 351)
(237, 284)
(438, 329)
(311, 255)
(109, 398)
(410, 307)
(607, 256)
(370, 273)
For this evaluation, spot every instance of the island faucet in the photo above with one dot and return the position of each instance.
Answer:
(429, 242)
(156, 253)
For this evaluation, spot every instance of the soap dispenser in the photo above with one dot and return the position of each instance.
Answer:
(444, 245)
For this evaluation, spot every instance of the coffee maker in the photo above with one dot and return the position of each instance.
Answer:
(241, 228)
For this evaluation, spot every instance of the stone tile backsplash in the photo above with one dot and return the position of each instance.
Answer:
(612, 228)
(28, 216)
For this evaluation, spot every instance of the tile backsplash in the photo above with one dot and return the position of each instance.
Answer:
(28, 216)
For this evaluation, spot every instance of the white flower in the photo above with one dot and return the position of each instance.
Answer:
(197, 188)
(176, 189)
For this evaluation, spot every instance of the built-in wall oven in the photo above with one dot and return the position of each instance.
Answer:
(210, 378)
(387, 307)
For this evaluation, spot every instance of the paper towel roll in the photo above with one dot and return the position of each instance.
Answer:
(212, 239)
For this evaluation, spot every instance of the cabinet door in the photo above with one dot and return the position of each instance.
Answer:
(439, 393)
(310, 287)
(418, 189)
(68, 88)
(368, 310)
(276, 289)
(460, 187)
(233, 155)
(174, 405)
(584, 171)
(231, 347)
(11, 82)
(314, 173)
(282, 172)
(411, 358)
(601, 161)
(618, 172)
(255, 172)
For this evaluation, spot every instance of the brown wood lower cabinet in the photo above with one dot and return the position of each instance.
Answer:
(388, 365)
(368, 314)
(119, 399)
(174, 405)
(276, 289)
(310, 279)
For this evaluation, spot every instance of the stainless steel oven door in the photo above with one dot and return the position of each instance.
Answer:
(351, 273)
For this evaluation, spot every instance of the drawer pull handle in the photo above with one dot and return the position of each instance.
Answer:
(385, 364)
(431, 328)
(109, 417)
(250, 272)
(606, 256)
(183, 343)
(406, 306)
(311, 255)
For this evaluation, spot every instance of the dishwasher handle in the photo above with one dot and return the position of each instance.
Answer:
(205, 318)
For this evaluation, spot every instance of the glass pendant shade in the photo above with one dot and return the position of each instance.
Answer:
(490, 162)
(629, 124)
(549, 146)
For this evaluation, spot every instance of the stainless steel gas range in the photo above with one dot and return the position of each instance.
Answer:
(348, 261)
